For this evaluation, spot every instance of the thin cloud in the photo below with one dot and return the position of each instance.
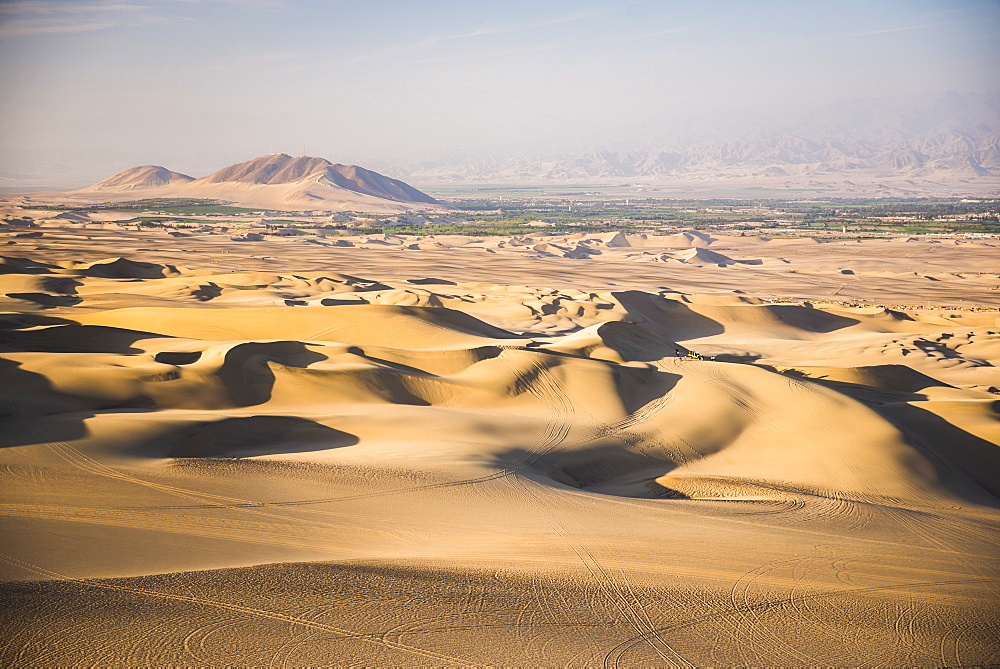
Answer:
(247, 4)
(56, 8)
(28, 27)
(889, 30)
(483, 32)
(38, 18)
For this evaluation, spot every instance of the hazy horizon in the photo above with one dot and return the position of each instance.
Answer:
(97, 86)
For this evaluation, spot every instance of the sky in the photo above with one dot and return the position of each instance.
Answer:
(91, 87)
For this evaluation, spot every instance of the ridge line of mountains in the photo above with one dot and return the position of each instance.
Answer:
(941, 144)
(950, 137)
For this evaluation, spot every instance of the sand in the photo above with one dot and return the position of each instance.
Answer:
(482, 451)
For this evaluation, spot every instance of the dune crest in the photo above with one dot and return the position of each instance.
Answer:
(416, 438)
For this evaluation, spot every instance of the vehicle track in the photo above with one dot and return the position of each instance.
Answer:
(747, 622)
(237, 608)
(858, 516)
(563, 414)
(193, 642)
(832, 503)
(44, 628)
(615, 655)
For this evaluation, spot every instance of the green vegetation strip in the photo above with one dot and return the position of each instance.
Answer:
(191, 206)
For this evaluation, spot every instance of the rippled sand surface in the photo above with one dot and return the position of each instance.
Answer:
(457, 452)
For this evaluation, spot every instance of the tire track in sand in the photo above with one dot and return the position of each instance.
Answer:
(237, 608)
(615, 654)
(563, 415)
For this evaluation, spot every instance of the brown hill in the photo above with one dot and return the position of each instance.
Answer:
(277, 168)
(276, 181)
(280, 168)
(140, 178)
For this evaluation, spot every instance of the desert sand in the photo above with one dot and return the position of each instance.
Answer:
(494, 451)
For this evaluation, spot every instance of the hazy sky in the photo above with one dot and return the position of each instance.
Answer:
(91, 86)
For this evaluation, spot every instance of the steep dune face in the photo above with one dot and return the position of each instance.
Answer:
(704, 419)
(704, 255)
(371, 343)
(402, 475)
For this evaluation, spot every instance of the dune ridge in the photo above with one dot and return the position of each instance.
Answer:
(290, 452)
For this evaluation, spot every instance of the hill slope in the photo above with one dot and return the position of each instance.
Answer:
(141, 178)
(276, 181)
(281, 169)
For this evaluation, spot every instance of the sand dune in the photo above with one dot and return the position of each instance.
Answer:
(293, 464)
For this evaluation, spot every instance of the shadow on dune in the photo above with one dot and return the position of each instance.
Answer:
(809, 319)
(933, 349)
(397, 366)
(871, 384)
(431, 281)
(51, 290)
(246, 376)
(17, 265)
(670, 318)
(27, 399)
(636, 342)
(123, 268)
(29, 320)
(177, 357)
(73, 338)
(334, 302)
(609, 469)
(249, 371)
(959, 465)
(638, 388)
(247, 436)
(745, 358)
(677, 320)
(966, 464)
(47, 299)
(207, 292)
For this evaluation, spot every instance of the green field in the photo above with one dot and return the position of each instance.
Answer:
(177, 206)
(510, 210)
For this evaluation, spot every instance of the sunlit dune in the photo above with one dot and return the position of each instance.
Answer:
(499, 334)
(434, 466)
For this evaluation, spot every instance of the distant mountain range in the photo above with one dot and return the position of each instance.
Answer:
(944, 138)
(944, 144)
(276, 181)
